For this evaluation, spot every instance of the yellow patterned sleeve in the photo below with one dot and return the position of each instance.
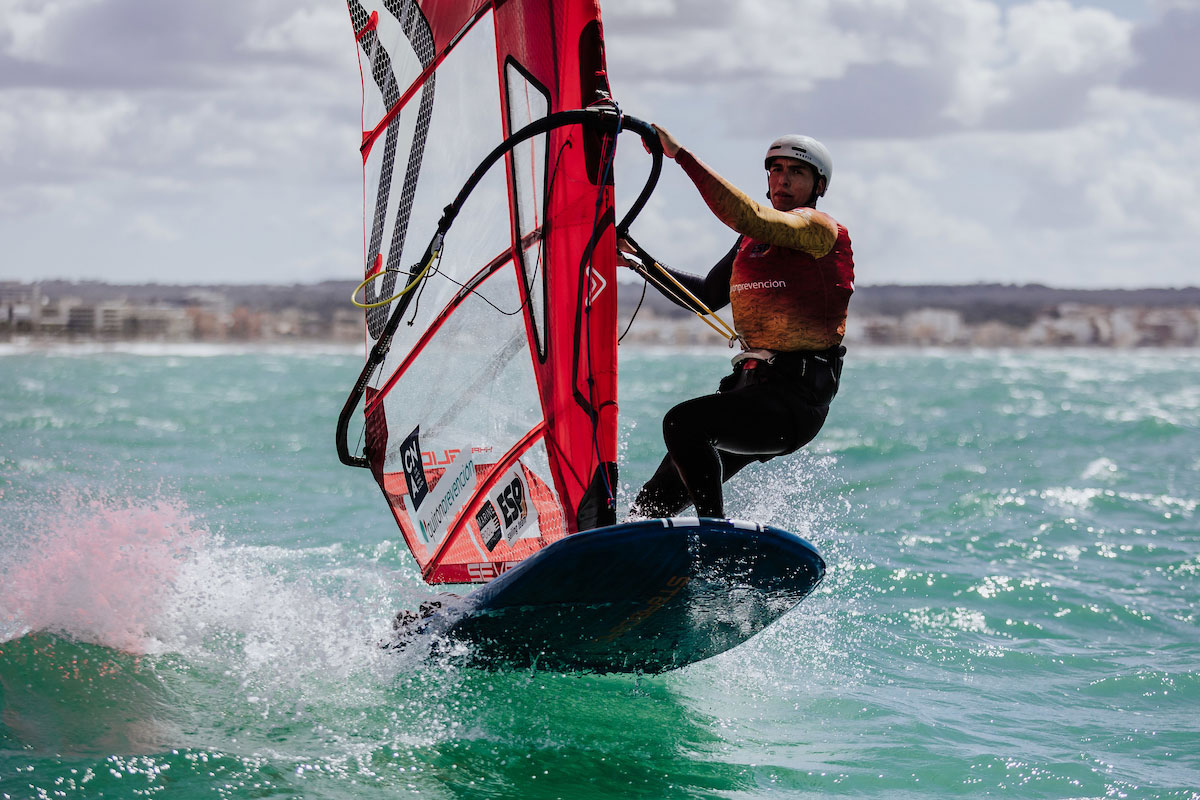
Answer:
(806, 229)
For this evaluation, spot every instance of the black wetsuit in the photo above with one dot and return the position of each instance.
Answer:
(759, 411)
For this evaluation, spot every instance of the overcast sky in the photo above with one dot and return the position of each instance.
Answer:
(974, 140)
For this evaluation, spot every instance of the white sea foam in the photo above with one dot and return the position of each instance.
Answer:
(96, 569)
(146, 576)
(1102, 469)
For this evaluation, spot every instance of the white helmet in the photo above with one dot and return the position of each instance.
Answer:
(803, 148)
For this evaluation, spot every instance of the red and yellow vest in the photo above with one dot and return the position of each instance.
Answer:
(785, 299)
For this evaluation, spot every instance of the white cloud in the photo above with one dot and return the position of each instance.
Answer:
(127, 126)
(1133, 164)
(304, 32)
(228, 157)
(974, 139)
(50, 137)
(80, 126)
(1112, 201)
(1167, 57)
(27, 26)
(148, 226)
(19, 203)
(924, 66)
(1054, 37)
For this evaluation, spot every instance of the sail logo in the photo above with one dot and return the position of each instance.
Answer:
(487, 570)
(411, 462)
(512, 502)
(750, 286)
(596, 285)
(488, 522)
(444, 500)
(514, 505)
(515, 513)
(430, 457)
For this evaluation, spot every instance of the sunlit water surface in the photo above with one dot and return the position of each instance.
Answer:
(193, 589)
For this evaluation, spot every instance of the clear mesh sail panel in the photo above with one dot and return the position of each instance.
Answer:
(470, 392)
(464, 124)
(471, 386)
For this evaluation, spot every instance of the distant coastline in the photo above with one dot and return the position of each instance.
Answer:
(978, 315)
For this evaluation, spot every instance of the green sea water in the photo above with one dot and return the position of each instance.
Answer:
(193, 588)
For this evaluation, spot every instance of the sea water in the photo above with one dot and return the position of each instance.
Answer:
(193, 588)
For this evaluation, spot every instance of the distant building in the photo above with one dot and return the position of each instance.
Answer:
(19, 306)
(933, 326)
(347, 325)
(966, 316)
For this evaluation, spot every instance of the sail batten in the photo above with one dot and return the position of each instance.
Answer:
(398, 101)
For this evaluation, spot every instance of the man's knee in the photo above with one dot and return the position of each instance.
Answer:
(683, 424)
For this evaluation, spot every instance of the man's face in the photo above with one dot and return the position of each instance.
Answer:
(790, 182)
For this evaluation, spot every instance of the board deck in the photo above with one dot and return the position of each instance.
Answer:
(647, 596)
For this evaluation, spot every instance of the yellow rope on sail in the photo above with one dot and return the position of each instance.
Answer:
(433, 255)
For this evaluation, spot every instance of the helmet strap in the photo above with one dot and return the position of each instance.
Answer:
(818, 190)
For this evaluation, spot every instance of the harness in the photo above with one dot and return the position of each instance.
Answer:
(820, 370)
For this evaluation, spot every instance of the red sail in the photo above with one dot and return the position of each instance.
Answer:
(491, 425)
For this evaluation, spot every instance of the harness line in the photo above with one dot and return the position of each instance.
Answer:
(710, 318)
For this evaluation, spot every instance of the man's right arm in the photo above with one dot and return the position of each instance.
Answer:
(804, 229)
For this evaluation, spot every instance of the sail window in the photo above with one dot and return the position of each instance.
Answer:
(527, 101)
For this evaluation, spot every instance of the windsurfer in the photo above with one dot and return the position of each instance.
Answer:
(788, 279)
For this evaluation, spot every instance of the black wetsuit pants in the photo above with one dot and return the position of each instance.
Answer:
(761, 411)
